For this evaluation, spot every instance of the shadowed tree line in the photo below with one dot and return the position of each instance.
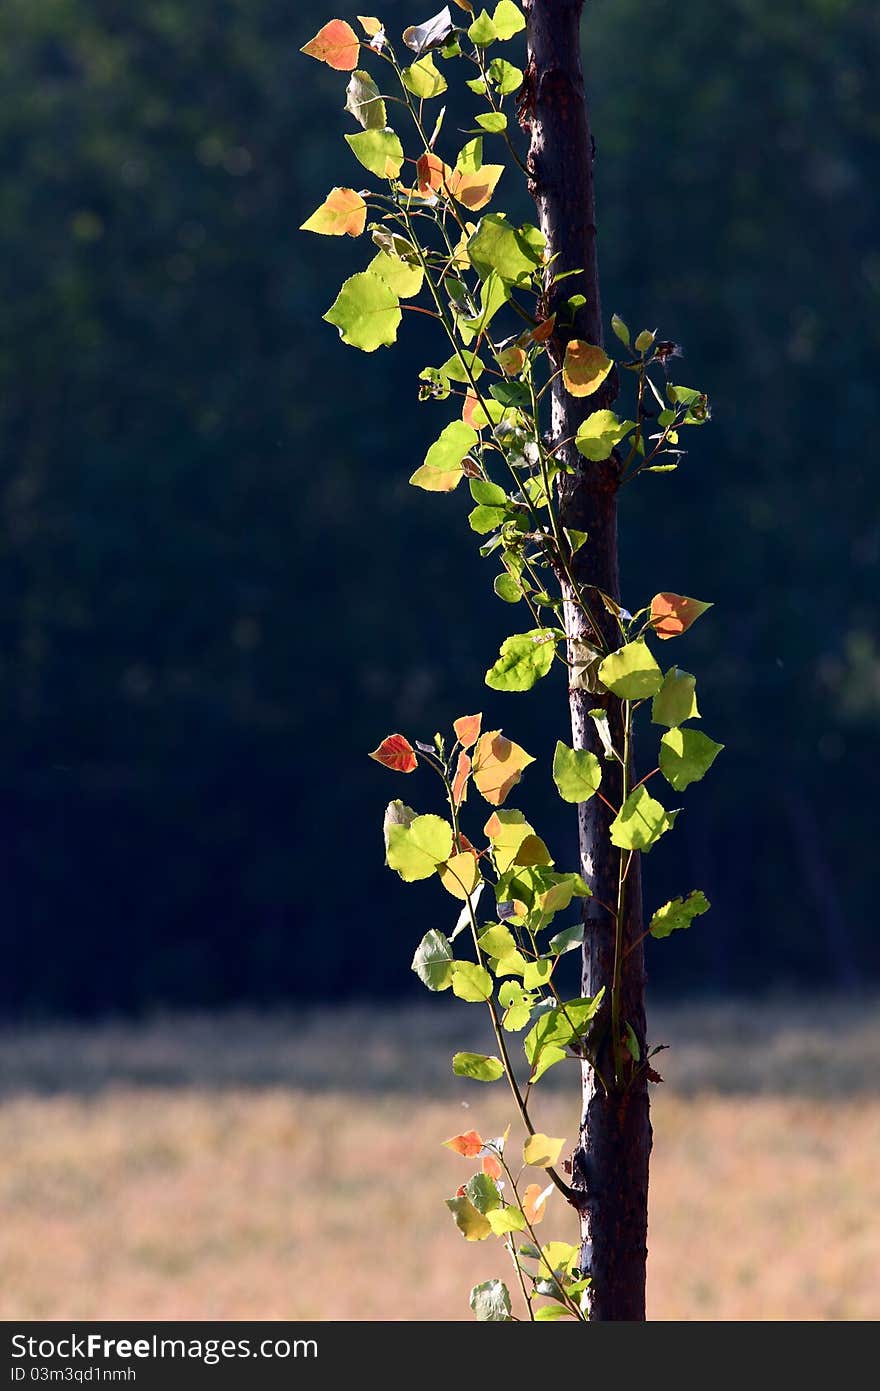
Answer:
(209, 613)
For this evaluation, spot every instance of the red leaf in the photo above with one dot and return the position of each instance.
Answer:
(467, 728)
(672, 614)
(396, 753)
(459, 783)
(336, 44)
(469, 1144)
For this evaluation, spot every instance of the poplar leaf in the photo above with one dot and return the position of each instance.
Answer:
(490, 1301)
(686, 755)
(415, 851)
(672, 614)
(432, 962)
(460, 875)
(524, 659)
(424, 79)
(366, 311)
(542, 1151)
(397, 753)
(467, 729)
(442, 469)
(343, 213)
(678, 913)
(336, 44)
(380, 151)
(640, 822)
(676, 699)
(584, 367)
(498, 765)
(599, 433)
(576, 772)
(478, 1067)
(471, 982)
(631, 672)
(363, 100)
(508, 19)
(467, 1145)
(404, 278)
(471, 1223)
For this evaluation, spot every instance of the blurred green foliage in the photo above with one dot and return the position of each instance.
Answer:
(210, 611)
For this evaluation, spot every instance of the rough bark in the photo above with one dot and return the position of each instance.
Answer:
(610, 1166)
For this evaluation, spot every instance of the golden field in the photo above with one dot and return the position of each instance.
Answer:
(289, 1165)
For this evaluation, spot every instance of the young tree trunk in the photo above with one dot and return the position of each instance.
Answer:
(610, 1167)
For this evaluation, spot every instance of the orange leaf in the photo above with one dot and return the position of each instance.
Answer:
(672, 614)
(397, 753)
(459, 782)
(336, 45)
(543, 330)
(466, 847)
(498, 766)
(473, 191)
(433, 174)
(511, 360)
(469, 1144)
(492, 1167)
(467, 727)
(472, 412)
(585, 367)
(342, 213)
(535, 1202)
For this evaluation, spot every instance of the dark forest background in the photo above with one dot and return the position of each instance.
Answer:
(217, 591)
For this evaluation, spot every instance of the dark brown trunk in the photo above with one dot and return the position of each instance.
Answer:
(611, 1163)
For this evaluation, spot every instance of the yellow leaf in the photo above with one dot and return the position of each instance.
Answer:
(498, 766)
(473, 191)
(585, 367)
(542, 1150)
(460, 875)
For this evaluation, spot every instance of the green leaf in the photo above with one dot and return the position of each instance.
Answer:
(442, 468)
(493, 121)
(366, 311)
(483, 1193)
(482, 32)
(676, 699)
(471, 1223)
(513, 252)
(560, 1026)
(401, 276)
(491, 1301)
(462, 365)
(485, 519)
(506, 77)
(470, 156)
(517, 1003)
(599, 433)
(632, 1043)
(489, 493)
(497, 941)
(471, 982)
(424, 79)
(537, 973)
(508, 589)
(550, 1312)
(686, 755)
(576, 772)
(508, 19)
(477, 1066)
(432, 962)
(416, 850)
(566, 940)
(631, 672)
(380, 151)
(678, 913)
(645, 340)
(640, 822)
(363, 100)
(620, 330)
(524, 659)
(506, 1219)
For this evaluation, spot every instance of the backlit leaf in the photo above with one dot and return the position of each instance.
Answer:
(442, 469)
(467, 1145)
(686, 755)
(364, 101)
(343, 213)
(542, 1151)
(366, 311)
(535, 1202)
(370, 25)
(514, 253)
(477, 1066)
(432, 174)
(424, 79)
(432, 962)
(676, 699)
(524, 659)
(475, 190)
(336, 44)
(505, 77)
(508, 19)
(498, 766)
(483, 1193)
(401, 276)
(640, 822)
(514, 841)
(672, 614)
(631, 672)
(415, 851)
(460, 875)
(482, 32)
(460, 780)
(493, 121)
(396, 752)
(506, 1219)
(585, 367)
(380, 151)
(471, 982)
(576, 772)
(678, 913)
(599, 433)
(558, 1257)
(467, 729)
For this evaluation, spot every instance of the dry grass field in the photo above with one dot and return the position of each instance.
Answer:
(289, 1166)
